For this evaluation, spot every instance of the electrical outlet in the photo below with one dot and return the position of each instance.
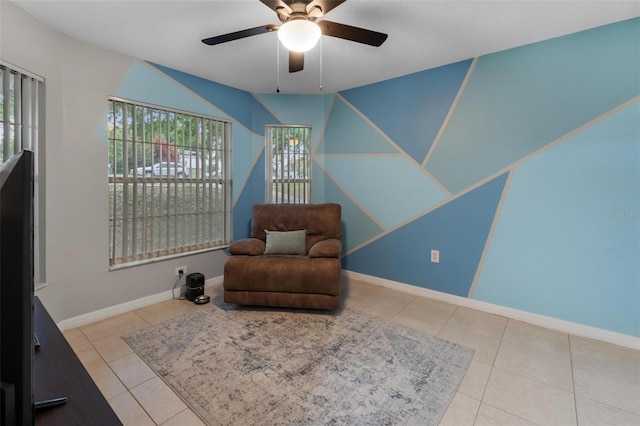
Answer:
(181, 268)
(435, 256)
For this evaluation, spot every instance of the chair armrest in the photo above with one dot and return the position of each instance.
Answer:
(247, 246)
(331, 247)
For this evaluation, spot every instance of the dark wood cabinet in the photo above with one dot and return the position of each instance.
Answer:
(59, 373)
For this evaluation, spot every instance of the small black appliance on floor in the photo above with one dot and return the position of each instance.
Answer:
(195, 285)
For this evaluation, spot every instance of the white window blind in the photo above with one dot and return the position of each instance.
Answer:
(288, 164)
(20, 112)
(169, 182)
(21, 115)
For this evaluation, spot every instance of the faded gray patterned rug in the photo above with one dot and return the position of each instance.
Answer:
(247, 367)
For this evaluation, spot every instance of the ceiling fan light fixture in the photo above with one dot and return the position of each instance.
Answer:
(299, 35)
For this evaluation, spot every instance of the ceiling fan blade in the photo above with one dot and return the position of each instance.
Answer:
(347, 32)
(240, 34)
(296, 61)
(325, 5)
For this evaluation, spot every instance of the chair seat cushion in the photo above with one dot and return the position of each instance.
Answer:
(282, 273)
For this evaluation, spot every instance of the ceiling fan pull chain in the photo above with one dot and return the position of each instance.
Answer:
(321, 64)
(277, 65)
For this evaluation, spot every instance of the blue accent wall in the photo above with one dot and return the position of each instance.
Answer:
(458, 230)
(576, 208)
(377, 184)
(361, 227)
(236, 103)
(521, 167)
(299, 110)
(142, 84)
(411, 109)
(348, 132)
(520, 100)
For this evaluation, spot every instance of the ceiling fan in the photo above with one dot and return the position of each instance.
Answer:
(298, 21)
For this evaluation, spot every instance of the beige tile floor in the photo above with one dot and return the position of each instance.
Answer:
(520, 374)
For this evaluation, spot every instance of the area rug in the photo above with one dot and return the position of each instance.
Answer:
(267, 367)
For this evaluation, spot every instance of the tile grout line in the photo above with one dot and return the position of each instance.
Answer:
(475, 417)
(183, 411)
(403, 308)
(127, 389)
(491, 373)
(543, 354)
(573, 381)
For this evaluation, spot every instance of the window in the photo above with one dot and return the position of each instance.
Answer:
(169, 182)
(288, 164)
(21, 115)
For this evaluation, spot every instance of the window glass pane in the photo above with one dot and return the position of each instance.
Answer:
(289, 165)
(168, 191)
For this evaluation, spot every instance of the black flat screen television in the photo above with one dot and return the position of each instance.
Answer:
(16, 289)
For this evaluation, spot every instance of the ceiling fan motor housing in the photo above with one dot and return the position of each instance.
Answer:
(299, 10)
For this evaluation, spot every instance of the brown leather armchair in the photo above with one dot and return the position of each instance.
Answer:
(309, 279)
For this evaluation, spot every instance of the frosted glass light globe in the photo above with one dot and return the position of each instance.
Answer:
(299, 35)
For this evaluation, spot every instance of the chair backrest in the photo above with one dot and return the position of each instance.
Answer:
(321, 221)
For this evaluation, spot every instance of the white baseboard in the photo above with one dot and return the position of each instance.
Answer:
(515, 314)
(122, 308)
(569, 327)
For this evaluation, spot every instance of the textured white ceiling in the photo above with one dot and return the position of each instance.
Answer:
(422, 34)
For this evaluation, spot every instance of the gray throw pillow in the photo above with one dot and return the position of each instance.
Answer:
(286, 242)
